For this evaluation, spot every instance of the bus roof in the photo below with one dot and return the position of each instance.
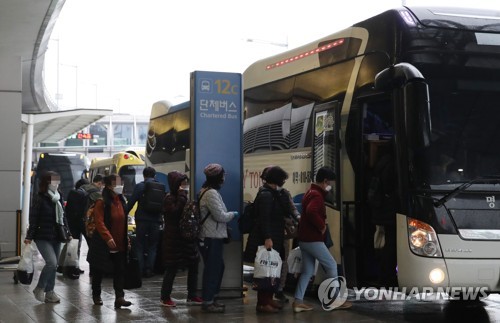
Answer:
(164, 107)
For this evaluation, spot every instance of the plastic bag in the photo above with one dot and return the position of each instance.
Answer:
(267, 270)
(71, 261)
(294, 262)
(267, 263)
(26, 267)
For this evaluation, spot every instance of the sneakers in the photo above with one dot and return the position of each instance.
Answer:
(211, 308)
(168, 303)
(51, 297)
(39, 294)
(301, 307)
(194, 301)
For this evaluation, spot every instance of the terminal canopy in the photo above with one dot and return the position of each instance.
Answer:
(57, 126)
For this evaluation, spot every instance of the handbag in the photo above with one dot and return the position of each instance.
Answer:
(62, 233)
(229, 236)
(328, 238)
(291, 228)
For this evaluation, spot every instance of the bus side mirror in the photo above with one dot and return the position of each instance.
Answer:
(417, 112)
(406, 78)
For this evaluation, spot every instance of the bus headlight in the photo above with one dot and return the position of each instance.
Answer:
(423, 239)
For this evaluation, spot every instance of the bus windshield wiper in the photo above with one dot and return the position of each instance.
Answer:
(462, 188)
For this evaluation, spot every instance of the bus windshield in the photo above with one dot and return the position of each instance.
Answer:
(465, 129)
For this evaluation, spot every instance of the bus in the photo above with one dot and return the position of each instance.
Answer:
(167, 144)
(129, 166)
(423, 82)
(70, 166)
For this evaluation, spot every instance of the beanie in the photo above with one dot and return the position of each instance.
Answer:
(212, 170)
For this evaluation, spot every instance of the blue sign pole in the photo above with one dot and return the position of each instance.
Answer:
(216, 134)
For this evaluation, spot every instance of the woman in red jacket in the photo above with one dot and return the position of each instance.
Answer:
(311, 236)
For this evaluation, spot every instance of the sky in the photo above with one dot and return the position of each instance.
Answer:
(126, 55)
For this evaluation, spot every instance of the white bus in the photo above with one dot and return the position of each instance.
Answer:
(423, 81)
(426, 82)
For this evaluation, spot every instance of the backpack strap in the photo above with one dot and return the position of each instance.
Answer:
(199, 200)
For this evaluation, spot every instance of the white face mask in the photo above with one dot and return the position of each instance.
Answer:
(53, 186)
(328, 188)
(185, 188)
(118, 189)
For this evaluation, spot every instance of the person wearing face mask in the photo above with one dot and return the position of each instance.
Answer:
(46, 212)
(272, 206)
(311, 236)
(177, 252)
(215, 217)
(108, 249)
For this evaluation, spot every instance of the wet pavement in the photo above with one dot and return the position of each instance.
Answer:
(17, 304)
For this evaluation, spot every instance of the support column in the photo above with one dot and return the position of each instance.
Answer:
(10, 158)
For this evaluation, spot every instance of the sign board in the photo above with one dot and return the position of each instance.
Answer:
(216, 137)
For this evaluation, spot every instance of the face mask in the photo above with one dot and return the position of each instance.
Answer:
(118, 189)
(328, 188)
(185, 188)
(53, 187)
(279, 188)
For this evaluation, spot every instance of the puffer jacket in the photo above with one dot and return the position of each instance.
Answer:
(42, 219)
(176, 251)
(272, 207)
(215, 225)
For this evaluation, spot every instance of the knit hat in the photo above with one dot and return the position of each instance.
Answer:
(213, 170)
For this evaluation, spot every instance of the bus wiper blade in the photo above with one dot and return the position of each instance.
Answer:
(462, 188)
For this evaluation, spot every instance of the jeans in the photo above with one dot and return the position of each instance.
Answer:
(118, 259)
(168, 281)
(50, 251)
(310, 252)
(213, 260)
(147, 239)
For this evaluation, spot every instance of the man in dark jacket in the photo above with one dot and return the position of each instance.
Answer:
(74, 212)
(148, 225)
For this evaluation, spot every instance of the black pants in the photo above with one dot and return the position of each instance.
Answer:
(168, 280)
(118, 260)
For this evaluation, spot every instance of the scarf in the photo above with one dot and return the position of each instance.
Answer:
(59, 209)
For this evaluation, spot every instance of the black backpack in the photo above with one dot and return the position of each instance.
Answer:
(248, 219)
(152, 197)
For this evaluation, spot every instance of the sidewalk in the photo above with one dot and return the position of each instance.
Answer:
(17, 304)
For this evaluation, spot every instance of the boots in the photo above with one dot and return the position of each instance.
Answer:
(120, 301)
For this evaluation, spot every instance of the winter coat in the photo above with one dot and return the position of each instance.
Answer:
(140, 214)
(74, 211)
(42, 219)
(176, 251)
(272, 207)
(99, 254)
(215, 225)
(313, 218)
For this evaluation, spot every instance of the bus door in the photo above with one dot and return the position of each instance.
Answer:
(326, 152)
(375, 192)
